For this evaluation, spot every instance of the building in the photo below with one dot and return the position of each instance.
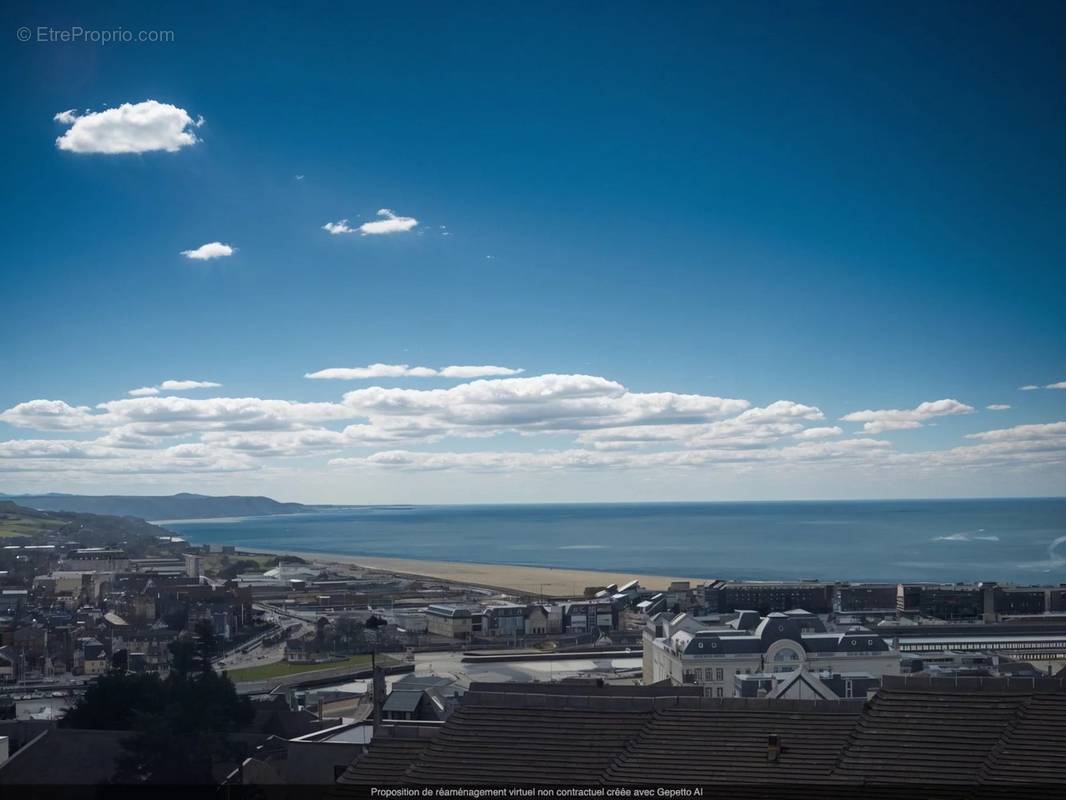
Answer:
(537, 620)
(590, 616)
(90, 657)
(96, 559)
(8, 660)
(194, 565)
(803, 685)
(867, 598)
(684, 651)
(768, 596)
(946, 601)
(506, 620)
(454, 621)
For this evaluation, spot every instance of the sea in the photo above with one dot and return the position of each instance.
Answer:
(1020, 541)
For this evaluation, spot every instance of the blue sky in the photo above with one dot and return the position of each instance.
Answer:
(843, 208)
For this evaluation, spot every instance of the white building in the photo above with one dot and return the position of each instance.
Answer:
(684, 651)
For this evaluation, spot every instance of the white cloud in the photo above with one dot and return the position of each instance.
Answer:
(206, 252)
(1029, 387)
(998, 407)
(1051, 431)
(904, 419)
(338, 227)
(390, 222)
(407, 371)
(1059, 385)
(570, 459)
(553, 423)
(130, 128)
(171, 386)
(49, 415)
(182, 386)
(818, 433)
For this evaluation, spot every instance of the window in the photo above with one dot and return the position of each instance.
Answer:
(718, 692)
(699, 675)
(848, 689)
(718, 674)
(786, 660)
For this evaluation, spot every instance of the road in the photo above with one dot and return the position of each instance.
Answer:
(258, 654)
(450, 664)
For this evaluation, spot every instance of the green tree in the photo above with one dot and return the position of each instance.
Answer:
(182, 655)
(180, 724)
(206, 644)
(111, 702)
(183, 743)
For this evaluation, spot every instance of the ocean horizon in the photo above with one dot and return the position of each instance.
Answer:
(1016, 540)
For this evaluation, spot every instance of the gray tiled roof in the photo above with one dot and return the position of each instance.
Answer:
(945, 732)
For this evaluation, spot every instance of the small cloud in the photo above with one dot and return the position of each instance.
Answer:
(1029, 387)
(130, 128)
(181, 386)
(998, 407)
(896, 419)
(1059, 385)
(407, 371)
(340, 226)
(299, 177)
(206, 252)
(144, 391)
(390, 222)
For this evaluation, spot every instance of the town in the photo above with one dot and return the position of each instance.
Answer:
(331, 657)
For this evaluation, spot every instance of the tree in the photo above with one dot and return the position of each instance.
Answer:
(120, 660)
(180, 723)
(111, 701)
(206, 644)
(182, 655)
(235, 568)
(181, 744)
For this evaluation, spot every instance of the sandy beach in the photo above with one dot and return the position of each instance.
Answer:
(524, 580)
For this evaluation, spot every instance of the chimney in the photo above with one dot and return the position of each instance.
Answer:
(773, 747)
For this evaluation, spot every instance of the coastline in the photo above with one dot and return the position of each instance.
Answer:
(548, 581)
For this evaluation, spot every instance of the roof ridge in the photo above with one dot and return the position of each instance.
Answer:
(630, 743)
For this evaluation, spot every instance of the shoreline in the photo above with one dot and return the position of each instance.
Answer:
(550, 581)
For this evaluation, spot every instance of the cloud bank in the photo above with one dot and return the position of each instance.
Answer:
(554, 423)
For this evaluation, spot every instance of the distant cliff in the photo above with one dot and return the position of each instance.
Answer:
(178, 506)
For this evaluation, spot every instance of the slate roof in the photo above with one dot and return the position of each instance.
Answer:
(403, 701)
(384, 764)
(488, 745)
(65, 757)
(960, 732)
(957, 734)
(725, 741)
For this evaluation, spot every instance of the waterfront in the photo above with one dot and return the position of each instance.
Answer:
(1016, 540)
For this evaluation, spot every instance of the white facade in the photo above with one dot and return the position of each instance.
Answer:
(685, 653)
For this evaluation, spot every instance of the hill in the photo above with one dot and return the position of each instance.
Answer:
(178, 506)
(22, 525)
(17, 522)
